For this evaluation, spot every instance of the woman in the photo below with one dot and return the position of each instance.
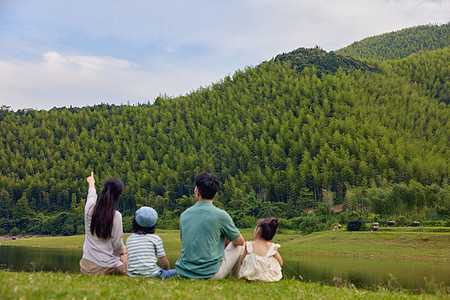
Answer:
(103, 249)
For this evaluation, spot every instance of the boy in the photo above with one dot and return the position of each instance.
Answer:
(144, 247)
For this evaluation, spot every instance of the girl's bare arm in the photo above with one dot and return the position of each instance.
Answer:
(278, 257)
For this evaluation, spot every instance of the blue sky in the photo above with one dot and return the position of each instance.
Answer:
(62, 53)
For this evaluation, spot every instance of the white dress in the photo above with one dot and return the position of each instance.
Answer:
(263, 268)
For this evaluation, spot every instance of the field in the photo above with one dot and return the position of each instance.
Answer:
(75, 286)
(426, 244)
(421, 244)
(399, 244)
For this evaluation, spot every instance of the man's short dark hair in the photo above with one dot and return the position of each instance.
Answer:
(208, 184)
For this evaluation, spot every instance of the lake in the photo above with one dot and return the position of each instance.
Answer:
(365, 273)
(368, 273)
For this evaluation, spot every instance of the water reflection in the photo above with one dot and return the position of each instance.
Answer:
(366, 273)
(33, 259)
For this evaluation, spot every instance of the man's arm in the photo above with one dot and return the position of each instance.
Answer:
(239, 241)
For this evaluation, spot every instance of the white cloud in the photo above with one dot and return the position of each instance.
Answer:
(61, 53)
(332, 25)
(94, 62)
(59, 80)
(54, 59)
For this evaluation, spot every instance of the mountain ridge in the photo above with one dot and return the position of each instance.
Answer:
(399, 44)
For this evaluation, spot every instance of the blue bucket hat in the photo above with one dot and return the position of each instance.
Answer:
(146, 216)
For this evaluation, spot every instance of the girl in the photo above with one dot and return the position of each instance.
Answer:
(261, 260)
(103, 249)
(144, 247)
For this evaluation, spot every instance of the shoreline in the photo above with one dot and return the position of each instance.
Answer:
(5, 238)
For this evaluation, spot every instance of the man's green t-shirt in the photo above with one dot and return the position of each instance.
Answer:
(203, 228)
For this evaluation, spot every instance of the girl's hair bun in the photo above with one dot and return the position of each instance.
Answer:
(268, 227)
(275, 222)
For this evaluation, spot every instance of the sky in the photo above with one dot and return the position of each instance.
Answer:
(79, 53)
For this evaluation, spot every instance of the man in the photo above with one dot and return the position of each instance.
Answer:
(203, 229)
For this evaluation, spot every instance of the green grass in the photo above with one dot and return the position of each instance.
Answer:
(424, 245)
(75, 241)
(75, 286)
(171, 239)
(399, 243)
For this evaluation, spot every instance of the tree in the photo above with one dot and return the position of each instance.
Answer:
(5, 204)
(21, 209)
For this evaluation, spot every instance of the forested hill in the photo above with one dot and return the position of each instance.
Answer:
(279, 137)
(323, 62)
(400, 44)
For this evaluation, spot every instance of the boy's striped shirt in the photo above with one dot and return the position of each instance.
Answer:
(143, 251)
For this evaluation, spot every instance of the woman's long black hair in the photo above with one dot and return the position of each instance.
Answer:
(105, 208)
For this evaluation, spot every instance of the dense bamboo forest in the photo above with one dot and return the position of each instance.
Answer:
(307, 129)
(400, 44)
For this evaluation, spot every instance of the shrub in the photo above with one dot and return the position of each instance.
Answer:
(373, 218)
(173, 224)
(286, 224)
(294, 223)
(67, 229)
(80, 229)
(401, 221)
(430, 223)
(356, 225)
(247, 222)
(127, 223)
(6, 225)
(310, 224)
(356, 221)
(323, 210)
(15, 231)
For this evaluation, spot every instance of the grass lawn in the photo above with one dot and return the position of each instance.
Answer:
(427, 244)
(75, 286)
(423, 245)
(398, 244)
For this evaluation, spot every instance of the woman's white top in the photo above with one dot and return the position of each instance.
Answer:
(263, 268)
(104, 253)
